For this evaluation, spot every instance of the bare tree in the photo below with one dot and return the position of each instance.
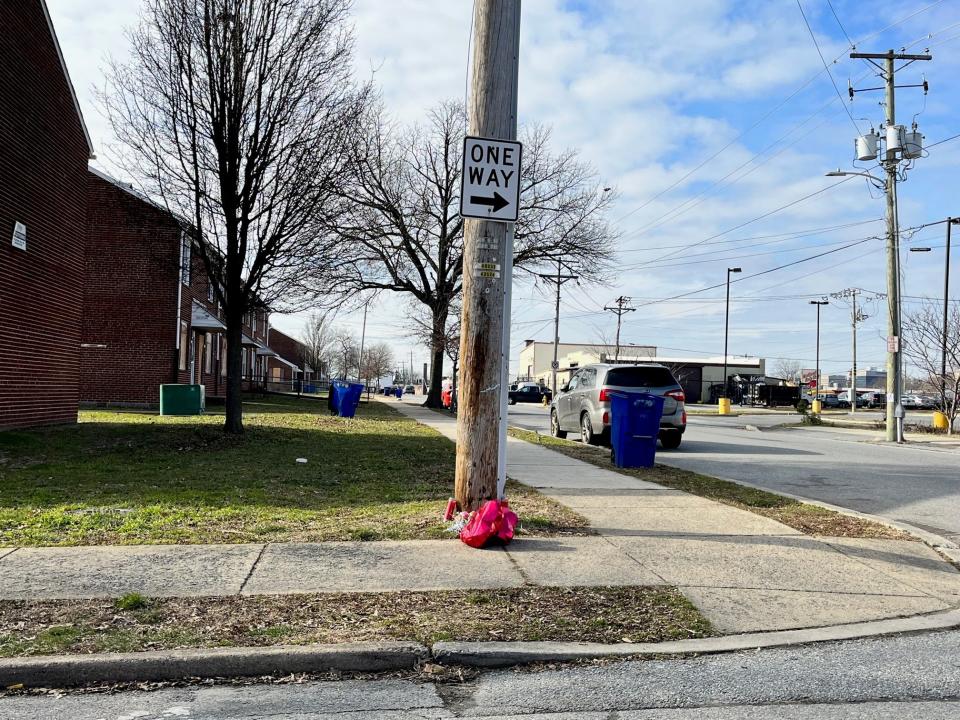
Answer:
(789, 370)
(345, 353)
(923, 345)
(397, 226)
(317, 339)
(235, 113)
(377, 362)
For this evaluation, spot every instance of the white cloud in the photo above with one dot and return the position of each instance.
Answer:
(646, 91)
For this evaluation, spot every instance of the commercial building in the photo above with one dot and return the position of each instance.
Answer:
(701, 378)
(44, 148)
(150, 314)
(868, 378)
(536, 358)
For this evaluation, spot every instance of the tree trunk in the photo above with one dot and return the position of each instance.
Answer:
(234, 387)
(437, 351)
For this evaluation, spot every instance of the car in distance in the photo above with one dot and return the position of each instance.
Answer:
(528, 393)
(409, 390)
(583, 404)
(830, 401)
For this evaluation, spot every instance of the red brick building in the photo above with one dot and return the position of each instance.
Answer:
(150, 315)
(288, 364)
(44, 148)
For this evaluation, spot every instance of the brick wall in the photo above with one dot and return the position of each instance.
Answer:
(43, 160)
(288, 348)
(132, 274)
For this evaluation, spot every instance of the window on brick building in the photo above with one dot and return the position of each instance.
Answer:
(185, 260)
(223, 357)
(184, 343)
(211, 295)
(208, 353)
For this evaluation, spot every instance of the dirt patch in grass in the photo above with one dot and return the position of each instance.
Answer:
(809, 519)
(592, 614)
(133, 477)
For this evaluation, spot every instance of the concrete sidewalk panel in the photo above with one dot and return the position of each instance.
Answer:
(583, 475)
(738, 610)
(380, 567)
(708, 518)
(114, 570)
(911, 563)
(573, 561)
(759, 562)
(628, 498)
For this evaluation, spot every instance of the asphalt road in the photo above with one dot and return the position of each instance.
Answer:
(883, 679)
(914, 484)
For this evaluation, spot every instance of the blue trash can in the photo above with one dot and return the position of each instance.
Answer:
(634, 427)
(398, 392)
(346, 397)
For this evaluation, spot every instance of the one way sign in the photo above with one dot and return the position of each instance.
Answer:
(490, 185)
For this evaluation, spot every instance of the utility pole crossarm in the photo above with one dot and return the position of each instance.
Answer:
(889, 56)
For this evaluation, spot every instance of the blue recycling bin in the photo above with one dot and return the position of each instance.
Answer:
(398, 391)
(346, 397)
(634, 427)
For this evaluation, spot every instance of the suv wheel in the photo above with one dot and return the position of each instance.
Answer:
(555, 426)
(586, 431)
(670, 440)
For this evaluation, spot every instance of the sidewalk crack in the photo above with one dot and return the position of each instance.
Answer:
(848, 552)
(643, 565)
(7, 554)
(516, 566)
(252, 568)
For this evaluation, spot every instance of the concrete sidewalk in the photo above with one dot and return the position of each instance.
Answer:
(746, 573)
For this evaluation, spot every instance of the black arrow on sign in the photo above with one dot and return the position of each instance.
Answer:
(497, 202)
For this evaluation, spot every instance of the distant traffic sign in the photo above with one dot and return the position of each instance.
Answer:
(555, 365)
(490, 183)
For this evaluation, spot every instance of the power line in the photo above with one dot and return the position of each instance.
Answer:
(756, 219)
(768, 114)
(825, 67)
(783, 237)
(842, 28)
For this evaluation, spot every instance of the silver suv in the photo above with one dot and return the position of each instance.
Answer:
(583, 404)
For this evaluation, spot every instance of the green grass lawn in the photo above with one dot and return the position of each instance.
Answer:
(131, 477)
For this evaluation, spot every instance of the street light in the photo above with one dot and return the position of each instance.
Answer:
(894, 412)
(877, 182)
(816, 392)
(724, 408)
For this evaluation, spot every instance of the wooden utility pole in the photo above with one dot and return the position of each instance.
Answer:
(559, 280)
(890, 162)
(485, 323)
(619, 310)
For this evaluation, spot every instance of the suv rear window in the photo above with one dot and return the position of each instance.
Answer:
(640, 377)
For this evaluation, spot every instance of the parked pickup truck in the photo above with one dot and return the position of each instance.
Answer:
(529, 393)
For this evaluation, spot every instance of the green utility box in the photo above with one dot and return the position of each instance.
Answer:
(181, 399)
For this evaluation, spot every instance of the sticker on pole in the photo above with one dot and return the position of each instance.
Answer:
(490, 183)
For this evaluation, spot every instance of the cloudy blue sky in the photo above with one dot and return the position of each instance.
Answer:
(713, 118)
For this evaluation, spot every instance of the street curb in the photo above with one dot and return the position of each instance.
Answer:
(153, 666)
(503, 654)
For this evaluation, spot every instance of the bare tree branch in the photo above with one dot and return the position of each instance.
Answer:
(397, 225)
(234, 114)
